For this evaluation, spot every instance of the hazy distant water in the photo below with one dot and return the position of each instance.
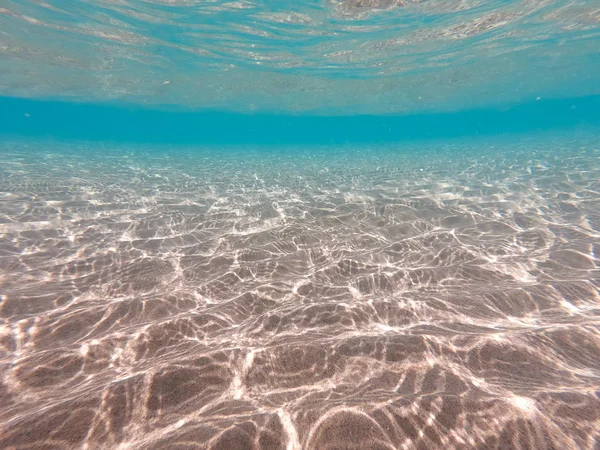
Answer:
(439, 295)
(326, 56)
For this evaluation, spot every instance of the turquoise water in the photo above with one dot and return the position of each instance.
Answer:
(332, 224)
(318, 57)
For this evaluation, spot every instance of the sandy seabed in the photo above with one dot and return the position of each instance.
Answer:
(434, 297)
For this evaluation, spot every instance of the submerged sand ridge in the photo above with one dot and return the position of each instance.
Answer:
(433, 297)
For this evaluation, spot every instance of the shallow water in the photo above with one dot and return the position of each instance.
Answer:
(325, 57)
(440, 294)
(316, 225)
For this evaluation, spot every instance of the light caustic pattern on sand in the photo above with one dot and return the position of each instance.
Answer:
(393, 299)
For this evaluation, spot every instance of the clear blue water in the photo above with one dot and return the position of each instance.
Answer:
(312, 57)
(332, 224)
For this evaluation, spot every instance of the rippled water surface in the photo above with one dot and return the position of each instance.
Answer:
(325, 56)
(433, 296)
